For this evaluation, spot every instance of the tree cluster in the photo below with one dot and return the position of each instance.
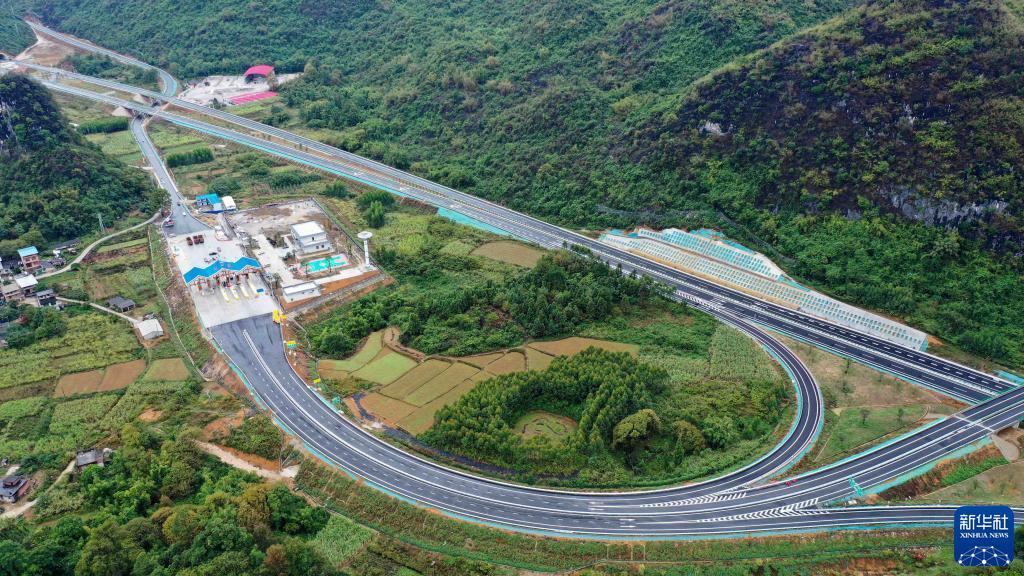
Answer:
(196, 156)
(104, 126)
(561, 292)
(606, 392)
(32, 324)
(160, 508)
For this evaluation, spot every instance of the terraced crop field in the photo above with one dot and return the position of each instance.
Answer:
(410, 394)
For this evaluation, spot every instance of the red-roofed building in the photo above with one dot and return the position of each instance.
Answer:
(258, 71)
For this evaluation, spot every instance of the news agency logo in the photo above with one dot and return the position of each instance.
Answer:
(983, 535)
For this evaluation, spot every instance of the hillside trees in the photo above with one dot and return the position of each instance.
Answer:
(562, 291)
(53, 182)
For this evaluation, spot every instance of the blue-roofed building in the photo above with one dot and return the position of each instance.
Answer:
(206, 263)
(214, 204)
(29, 258)
(221, 268)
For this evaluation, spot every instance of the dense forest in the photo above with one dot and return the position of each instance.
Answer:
(162, 507)
(53, 182)
(846, 138)
(562, 291)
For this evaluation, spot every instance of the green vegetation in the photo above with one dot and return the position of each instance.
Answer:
(195, 156)
(257, 435)
(73, 351)
(34, 324)
(969, 470)
(15, 36)
(340, 539)
(886, 181)
(103, 67)
(598, 389)
(104, 126)
(454, 302)
(561, 292)
(52, 182)
(160, 507)
(632, 424)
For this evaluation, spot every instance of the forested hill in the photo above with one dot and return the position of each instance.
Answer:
(15, 36)
(52, 181)
(914, 107)
(517, 100)
(882, 153)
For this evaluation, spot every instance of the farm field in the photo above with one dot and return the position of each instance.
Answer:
(78, 383)
(113, 377)
(575, 345)
(57, 426)
(75, 351)
(167, 369)
(510, 252)
(120, 145)
(119, 376)
(385, 368)
(409, 394)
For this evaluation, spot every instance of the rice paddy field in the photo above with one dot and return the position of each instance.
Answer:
(408, 394)
(113, 377)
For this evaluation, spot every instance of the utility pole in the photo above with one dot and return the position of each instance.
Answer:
(103, 230)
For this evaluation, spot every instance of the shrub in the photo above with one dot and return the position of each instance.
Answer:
(103, 126)
(197, 156)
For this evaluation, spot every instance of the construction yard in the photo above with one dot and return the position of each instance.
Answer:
(274, 234)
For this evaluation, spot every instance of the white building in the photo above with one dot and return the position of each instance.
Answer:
(302, 291)
(150, 329)
(310, 237)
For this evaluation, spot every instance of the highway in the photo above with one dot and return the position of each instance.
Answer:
(184, 221)
(939, 374)
(734, 503)
(167, 82)
(256, 348)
